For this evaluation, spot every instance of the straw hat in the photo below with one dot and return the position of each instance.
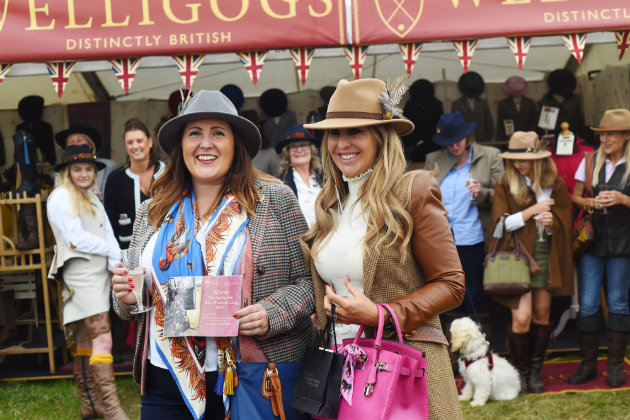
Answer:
(210, 104)
(614, 120)
(78, 154)
(525, 146)
(358, 104)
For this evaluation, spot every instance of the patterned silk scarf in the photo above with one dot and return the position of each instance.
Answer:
(177, 253)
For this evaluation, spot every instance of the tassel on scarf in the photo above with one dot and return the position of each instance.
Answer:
(228, 386)
(218, 389)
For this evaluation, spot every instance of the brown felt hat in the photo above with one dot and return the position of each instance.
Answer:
(357, 104)
(525, 146)
(614, 120)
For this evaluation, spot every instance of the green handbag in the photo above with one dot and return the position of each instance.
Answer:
(506, 273)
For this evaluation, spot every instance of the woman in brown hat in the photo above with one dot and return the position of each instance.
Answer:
(86, 249)
(382, 235)
(537, 205)
(609, 254)
(213, 213)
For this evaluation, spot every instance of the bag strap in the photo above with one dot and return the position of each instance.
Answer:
(324, 339)
(589, 157)
(395, 319)
(272, 390)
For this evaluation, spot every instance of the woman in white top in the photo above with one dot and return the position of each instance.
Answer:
(536, 202)
(301, 167)
(86, 250)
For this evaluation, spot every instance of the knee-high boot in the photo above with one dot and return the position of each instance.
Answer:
(588, 329)
(91, 408)
(618, 333)
(540, 338)
(518, 346)
(106, 384)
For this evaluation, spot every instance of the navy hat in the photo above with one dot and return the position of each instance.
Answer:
(296, 133)
(452, 128)
(91, 133)
(78, 154)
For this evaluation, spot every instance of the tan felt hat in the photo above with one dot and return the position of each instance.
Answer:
(524, 146)
(614, 120)
(357, 104)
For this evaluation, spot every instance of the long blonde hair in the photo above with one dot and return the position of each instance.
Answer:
(545, 173)
(315, 165)
(79, 197)
(601, 159)
(385, 212)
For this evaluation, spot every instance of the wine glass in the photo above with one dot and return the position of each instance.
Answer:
(473, 199)
(131, 259)
(604, 187)
(540, 227)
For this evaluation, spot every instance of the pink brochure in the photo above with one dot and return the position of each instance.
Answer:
(220, 299)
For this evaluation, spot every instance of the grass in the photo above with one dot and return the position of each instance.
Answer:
(59, 399)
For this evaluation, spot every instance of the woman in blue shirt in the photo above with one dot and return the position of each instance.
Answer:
(467, 173)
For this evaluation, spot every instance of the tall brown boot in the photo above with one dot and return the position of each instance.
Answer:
(518, 346)
(588, 328)
(91, 407)
(540, 338)
(106, 384)
(618, 333)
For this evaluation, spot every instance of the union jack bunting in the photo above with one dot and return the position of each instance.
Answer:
(356, 56)
(520, 47)
(253, 62)
(188, 66)
(465, 50)
(410, 53)
(575, 43)
(302, 58)
(4, 69)
(623, 42)
(60, 74)
(125, 70)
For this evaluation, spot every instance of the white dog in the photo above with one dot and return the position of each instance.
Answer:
(487, 375)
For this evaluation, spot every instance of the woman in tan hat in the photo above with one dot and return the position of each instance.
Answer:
(610, 251)
(538, 207)
(213, 213)
(382, 235)
(85, 249)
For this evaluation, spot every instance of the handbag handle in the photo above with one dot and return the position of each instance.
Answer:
(379, 332)
(395, 319)
(517, 246)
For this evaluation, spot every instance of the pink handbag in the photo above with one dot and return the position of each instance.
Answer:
(393, 382)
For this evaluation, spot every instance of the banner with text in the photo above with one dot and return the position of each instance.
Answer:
(46, 30)
(389, 21)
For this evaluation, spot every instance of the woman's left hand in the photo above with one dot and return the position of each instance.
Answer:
(547, 219)
(253, 320)
(611, 198)
(359, 310)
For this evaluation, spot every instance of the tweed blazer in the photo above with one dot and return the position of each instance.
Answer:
(281, 282)
(428, 282)
(486, 167)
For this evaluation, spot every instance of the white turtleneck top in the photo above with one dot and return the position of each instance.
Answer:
(342, 250)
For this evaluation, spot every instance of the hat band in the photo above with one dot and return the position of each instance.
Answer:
(614, 128)
(350, 114)
(528, 150)
(297, 136)
(79, 156)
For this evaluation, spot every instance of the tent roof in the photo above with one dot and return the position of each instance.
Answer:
(157, 76)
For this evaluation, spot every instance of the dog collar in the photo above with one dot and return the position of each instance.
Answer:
(488, 355)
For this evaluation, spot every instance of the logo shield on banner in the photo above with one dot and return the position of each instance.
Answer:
(400, 16)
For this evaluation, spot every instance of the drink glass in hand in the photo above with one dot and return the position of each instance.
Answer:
(131, 261)
(604, 187)
(540, 227)
(473, 199)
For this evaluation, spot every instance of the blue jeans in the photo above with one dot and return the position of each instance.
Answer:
(592, 270)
